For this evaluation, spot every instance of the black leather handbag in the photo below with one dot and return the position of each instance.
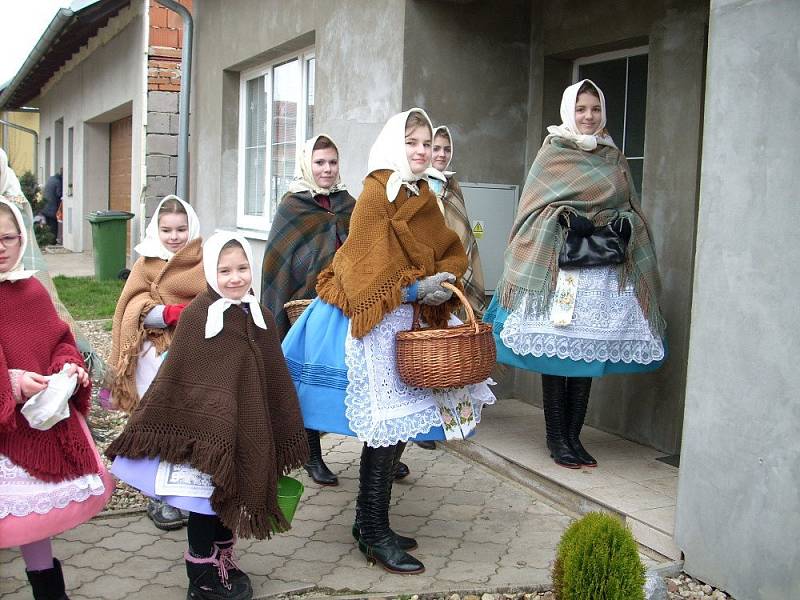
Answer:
(595, 246)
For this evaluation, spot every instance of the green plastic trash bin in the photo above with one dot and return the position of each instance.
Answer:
(110, 241)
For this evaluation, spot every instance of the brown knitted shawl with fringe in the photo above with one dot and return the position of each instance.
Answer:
(391, 245)
(152, 281)
(228, 407)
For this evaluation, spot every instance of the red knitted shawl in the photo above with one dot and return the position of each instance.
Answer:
(33, 338)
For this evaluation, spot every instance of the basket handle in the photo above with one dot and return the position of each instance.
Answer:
(467, 307)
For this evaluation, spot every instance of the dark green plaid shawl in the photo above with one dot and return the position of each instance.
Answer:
(596, 185)
(302, 242)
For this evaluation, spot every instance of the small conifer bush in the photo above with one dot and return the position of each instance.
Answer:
(597, 559)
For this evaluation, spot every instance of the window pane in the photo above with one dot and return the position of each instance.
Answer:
(637, 166)
(255, 147)
(285, 100)
(637, 103)
(311, 65)
(610, 77)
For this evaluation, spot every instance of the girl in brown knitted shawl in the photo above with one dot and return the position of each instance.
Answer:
(167, 276)
(219, 424)
(341, 350)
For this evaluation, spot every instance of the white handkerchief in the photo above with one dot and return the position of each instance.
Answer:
(565, 296)
(51, 405)
(182, 480)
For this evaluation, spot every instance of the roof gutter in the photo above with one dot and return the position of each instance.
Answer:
(184, 94)
(54, 29)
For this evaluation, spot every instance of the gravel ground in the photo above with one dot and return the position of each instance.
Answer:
(107, 425)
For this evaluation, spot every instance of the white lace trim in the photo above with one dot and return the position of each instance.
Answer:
(22, 494)
(380, 408)
(607, 325)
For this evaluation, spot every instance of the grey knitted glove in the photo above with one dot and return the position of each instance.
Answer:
(430, 290)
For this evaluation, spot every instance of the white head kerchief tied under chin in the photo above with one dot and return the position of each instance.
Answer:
(304, 176)
(151, 245)
(569, 128)
(211, 251)
(17, 271)
(389, 152)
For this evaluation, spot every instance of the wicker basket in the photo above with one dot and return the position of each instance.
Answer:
(449, 357)
(295, 308)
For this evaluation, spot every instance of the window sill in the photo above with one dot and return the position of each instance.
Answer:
(254, 234)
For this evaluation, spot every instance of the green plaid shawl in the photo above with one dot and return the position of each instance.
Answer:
(302, 242)
(596, 185)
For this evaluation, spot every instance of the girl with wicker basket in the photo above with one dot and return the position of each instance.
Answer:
(312, 221)
(573, 323)
(341, 351)
(165, 278)
(51, 476)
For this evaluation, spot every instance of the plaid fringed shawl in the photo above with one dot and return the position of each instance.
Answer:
(595, 185)
(456, 218)
(226, 406)
(302, 242)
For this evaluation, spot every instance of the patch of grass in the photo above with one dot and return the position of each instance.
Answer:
(86, 298)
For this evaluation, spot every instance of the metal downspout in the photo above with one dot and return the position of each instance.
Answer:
(183, 98)
(35, 135)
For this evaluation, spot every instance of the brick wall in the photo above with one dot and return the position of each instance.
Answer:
(163, 84)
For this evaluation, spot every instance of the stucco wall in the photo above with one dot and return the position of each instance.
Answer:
(359, 52)
(101, 88)
(738, 515)
(645, 408)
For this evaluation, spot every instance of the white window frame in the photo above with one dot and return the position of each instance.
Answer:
(261, 224)
(604, 57)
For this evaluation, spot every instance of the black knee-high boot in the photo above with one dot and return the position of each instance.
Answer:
(48, 584)
(578, 389)
(316, 467)
(554, 401)
(376, 541)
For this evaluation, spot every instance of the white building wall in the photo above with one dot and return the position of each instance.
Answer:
(100, 84)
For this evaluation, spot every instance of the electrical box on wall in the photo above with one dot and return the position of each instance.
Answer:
(491, 208)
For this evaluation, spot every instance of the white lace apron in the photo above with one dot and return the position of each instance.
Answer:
(382, 410)
(22, 494)
(606, 324)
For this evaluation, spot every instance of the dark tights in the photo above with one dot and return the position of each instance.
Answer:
(203, 531)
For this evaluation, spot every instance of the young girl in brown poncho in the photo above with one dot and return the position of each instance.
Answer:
(219, 424)
(166, 277)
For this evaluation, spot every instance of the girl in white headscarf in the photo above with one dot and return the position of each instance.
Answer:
(595, 314)
(165, 278)
(341, 350)
(311, 223)
(33, 260)
(51, 476)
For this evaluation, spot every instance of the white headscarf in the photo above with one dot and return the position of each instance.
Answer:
(304, 176)
(9, 184)
(17, 272)
(446, 130)
(151, 246)
(389, 152)
(569, 128)
(438, 179)
(211, 250)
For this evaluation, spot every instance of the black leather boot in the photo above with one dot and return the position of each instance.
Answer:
(48, 584)
(401, 471)
(316, 467)
(578, 389)
(405, 543)
(427, 445)
(553, 398)
(376, 541)
(209, 580)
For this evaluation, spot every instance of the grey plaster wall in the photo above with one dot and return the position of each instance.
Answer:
(467, 65)
(645, 408)
(738, 513)
(359, 52)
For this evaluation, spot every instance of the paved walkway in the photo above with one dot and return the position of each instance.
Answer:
(476, 531)
(71, 264)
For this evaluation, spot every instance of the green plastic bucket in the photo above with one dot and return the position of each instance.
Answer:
(289, 493)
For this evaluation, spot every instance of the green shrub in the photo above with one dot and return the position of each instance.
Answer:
(27, 181)
(44, 237)
(597, 559)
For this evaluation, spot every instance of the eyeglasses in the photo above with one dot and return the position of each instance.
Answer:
(10, 241)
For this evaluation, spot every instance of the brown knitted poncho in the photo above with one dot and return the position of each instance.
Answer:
(391, 245)
(226, 406)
